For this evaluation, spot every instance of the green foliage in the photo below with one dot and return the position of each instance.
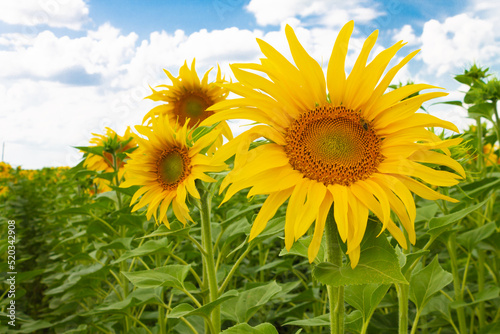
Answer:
(378, 263)
(87, 264)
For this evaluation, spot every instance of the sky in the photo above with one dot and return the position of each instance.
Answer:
(70, 68)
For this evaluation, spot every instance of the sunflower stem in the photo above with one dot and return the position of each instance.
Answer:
(451, 244)
(403, 291)
(335, 294)
(208, 257)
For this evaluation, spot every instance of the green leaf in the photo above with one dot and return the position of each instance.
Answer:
(441, 224)
(426, 213)
(97, 150)
(241, 227)
(248, 302)
(481, 110)
(322, 320)
(366, 297)
(493, 328)
(185, 310)
(482, 186)
(453, 103)
(441, 305)
(487, 294)
(378, 263)
(120, 243)
(471, 238)
(428, 281)
(150, 247)
(138, 297)
(273, 228)
(239, 213)
(163, 231)
(34, 325)
(353, 322)
(300, 247)
(28, 275)
(264, 328)
(168, 276)
(412, 258)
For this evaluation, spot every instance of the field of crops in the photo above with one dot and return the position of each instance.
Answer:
(98, 249)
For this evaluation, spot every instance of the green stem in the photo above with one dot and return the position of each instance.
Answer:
(208, 257)
(497, 125)
(403, 291)
(452, 250)
(480, 156)
(480, 285)
(415, 322)
(162, 323)
(233, 269)
(335, 294)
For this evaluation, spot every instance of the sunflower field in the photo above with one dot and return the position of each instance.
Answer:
(346, 208)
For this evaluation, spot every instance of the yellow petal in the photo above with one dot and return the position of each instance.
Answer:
(268, 210)
(356, 78)
(375, 189)
(336, 66)
(386, 80)
(359, 218)
(394, 96)
(403, 109)
(341, 208)
(427, 174)
(422, 190)
(315, 196)
(295, 206)
(319, 227)
(309, 68)
(433, 157)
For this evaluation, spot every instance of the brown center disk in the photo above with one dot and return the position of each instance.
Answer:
(193, 105)
(172, 167)
(333, 145)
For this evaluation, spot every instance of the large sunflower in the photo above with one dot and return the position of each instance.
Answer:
(188, 99)
(105, 162)
(357, 147)
(166, 167)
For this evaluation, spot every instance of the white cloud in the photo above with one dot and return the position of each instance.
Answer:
(169, 51)
(99, 55)
(331, 14)
(70, 14)
(406, 34)
(457, 42)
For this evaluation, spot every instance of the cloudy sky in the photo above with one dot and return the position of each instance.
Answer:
(69, 68)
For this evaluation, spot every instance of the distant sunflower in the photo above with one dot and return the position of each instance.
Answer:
(189, 100)
(166, 168)
(111, 141)
(356, 147)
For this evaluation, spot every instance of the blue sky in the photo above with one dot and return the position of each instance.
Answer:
(72, 67)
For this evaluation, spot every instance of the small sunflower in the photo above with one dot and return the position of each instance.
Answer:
(166, 167)
(105, 163)
(188, 100)
(355, 147)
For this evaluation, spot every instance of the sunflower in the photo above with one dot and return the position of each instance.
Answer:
(355, 147)
(105, 162)
(166, 167)
(188, 100)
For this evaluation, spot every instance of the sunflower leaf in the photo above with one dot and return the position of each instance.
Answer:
(366, 297)
(265, 328)
(248, 302)
(168, 276)
(378, 263)
(161, 246)
(428, 281)
(441, 224)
